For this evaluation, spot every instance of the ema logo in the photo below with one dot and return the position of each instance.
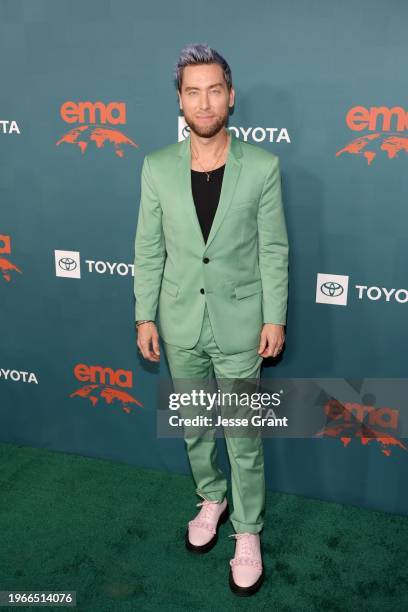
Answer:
(93, 118)
(332, 289)
(106, 385)
(6, 266)
(378, 121)
(353, 420)
(257, 134)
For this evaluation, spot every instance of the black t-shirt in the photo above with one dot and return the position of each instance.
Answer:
(206, 195)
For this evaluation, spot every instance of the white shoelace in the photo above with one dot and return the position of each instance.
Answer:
(246, 552)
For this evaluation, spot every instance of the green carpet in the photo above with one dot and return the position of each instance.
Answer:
(73, 523)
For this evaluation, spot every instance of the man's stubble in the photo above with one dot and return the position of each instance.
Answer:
(207, 131)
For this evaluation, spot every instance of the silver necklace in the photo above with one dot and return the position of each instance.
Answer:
(209, 173)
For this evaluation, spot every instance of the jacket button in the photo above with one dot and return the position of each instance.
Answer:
(202, 290)
(206, 260)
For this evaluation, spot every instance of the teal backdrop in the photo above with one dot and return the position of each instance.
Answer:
(87, 91)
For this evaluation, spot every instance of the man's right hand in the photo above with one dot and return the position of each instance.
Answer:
(148, 341)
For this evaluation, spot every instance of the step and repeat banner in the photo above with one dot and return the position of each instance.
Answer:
(87, 91)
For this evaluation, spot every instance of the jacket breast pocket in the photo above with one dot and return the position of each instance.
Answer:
(248, 289)
(169, 287)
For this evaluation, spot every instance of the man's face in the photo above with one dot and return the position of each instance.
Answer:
(205, 99)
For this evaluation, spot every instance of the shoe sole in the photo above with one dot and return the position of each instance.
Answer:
(209, 545)
(245, 591)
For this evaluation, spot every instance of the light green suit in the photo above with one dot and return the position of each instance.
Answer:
(242, 270)
(213, 298)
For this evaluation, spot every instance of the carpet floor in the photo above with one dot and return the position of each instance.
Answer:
(114, 533)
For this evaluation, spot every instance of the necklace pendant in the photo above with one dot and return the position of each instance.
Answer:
(208, 177)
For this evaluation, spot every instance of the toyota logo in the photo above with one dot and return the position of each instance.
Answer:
(331, 289)
(67, 263)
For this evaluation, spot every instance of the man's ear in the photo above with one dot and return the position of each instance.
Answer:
(232, 97)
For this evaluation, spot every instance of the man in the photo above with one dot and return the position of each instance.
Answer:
(211, 252)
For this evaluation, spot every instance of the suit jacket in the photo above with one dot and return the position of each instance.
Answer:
(242, 270)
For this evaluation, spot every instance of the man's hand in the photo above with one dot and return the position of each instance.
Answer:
(272, 339)
(147, 338)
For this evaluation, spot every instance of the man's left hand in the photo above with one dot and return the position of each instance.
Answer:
(271, 340)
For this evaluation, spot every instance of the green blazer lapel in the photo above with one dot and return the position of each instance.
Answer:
(229, 182)
(230, 179)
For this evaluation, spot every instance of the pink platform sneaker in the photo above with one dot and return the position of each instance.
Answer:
(202, 531)
(246, 570)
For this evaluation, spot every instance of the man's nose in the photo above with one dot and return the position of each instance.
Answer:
(204, 101)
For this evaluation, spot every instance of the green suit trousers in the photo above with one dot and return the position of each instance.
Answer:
(245, 454)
